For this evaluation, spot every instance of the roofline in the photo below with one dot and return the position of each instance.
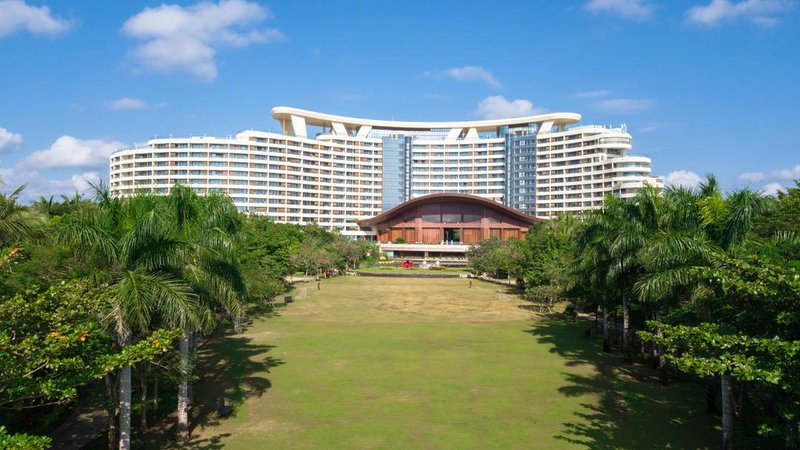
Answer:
(281, 113)
(475, 198)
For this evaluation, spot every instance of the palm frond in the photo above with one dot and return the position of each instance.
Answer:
(654, 286)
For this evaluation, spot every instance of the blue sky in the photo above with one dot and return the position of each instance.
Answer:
(703, 86)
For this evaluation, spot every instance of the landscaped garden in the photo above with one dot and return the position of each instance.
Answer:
(430, 363)
(138, 320)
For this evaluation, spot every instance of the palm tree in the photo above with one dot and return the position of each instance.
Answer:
(699, 229)
(678, 244)
(15, 221)
(44, 205)
(128, 242)
(207, 226)
(615, 237)
(592, 266)
(609, 250)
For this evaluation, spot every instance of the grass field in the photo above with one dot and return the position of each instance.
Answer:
(429, 364)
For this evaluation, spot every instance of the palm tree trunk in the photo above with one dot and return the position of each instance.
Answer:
(606, 331)
(727, 412)
(626, 324)
(190, 387)
(183, 388)
(125, 409)
(143, 397)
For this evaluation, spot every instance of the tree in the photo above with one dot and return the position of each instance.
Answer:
(490, 256)
(131, 244)
(615, 236)
(265, 250)
(206, 228)
(696, 231)
(52, 342)
(777, 228)
(350, 251)
(590, 272)
(549, 247)
(16, 222)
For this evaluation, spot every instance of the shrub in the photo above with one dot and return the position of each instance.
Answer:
(22, 441)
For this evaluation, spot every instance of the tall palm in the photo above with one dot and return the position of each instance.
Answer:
(625, 226)
(15, 222)
(128, 242)
(678, 244)
(592, 266)
(44, 205)
(208, 227)
(699, 228)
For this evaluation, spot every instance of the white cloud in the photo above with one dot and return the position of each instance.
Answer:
(592, 94)
(39, 185)
(792, 173)
(68, 151)
(81, 182)
(9, 140)
(772, 189)
(498, 107)
(627, 9)
(16, 15)
(614, 105)
(683, 178)
(760, 12)
(132, 104)
(623, 105)
(178, 38)
(472, 73)
(773, 181)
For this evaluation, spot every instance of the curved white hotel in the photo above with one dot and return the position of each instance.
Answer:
(335, 170)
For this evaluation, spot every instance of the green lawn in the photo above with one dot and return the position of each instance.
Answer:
(430, 363)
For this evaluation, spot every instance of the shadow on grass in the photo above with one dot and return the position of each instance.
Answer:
(228, 365)
(265, 310)
(633, 410)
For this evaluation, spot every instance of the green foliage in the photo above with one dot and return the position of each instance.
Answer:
(22, 441)
(718, 270)
(52, 342)
(703, 350)
(16, 222)
(549, 248)
(499, 259)
(544, 295)
(754, 337)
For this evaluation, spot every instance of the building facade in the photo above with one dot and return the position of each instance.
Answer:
(450, 219)
(335, 170)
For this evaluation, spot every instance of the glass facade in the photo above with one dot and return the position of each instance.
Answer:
(520, 190)
(395, 184)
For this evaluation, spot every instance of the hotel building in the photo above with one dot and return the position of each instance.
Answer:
(335, 170)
